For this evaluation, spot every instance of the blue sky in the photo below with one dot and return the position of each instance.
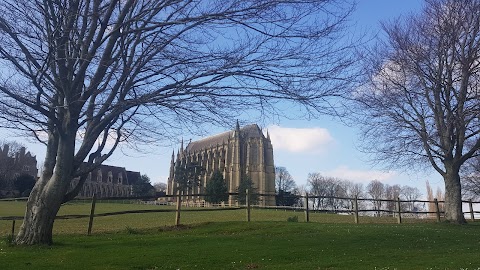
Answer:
(321, 145)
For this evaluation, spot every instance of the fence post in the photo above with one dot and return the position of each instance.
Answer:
(355, 208)
(92, 214)
(472, 214)
(437, 209)
(177, 213)
(399, 212)
(13, 230)
(307, 210)
(247, 201)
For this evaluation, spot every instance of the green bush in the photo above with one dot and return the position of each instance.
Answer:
(131, 230)
(292, 219)
(9, 239)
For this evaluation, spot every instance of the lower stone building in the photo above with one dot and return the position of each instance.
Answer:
(242, 152)
(108, 181)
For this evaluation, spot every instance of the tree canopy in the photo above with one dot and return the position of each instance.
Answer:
(143, 186)
(247, 183)
(285, 187)
(421, 103)
(283, 180)
(216, 190)
(24, 184)
(85, 76)
(187, 176)
(471, 179)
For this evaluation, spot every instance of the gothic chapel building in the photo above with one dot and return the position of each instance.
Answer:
(243, 152)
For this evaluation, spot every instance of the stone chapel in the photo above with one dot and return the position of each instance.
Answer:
(238, 153)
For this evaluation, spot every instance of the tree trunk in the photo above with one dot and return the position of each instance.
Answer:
(39, 217)
(47, 195)
(453, 196)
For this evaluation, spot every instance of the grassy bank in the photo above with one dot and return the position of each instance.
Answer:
(154, 220)
(259, 245)
(223, 240)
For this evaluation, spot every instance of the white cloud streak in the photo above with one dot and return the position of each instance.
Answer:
(300, 140)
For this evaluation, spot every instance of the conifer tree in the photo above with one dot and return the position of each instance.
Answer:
(246, 183)
(216, 189)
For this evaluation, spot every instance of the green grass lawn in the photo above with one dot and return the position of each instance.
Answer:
(223, 240)
(260, 245)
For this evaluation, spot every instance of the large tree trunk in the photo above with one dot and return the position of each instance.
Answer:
(40, 214)
(453, 196)
(47, 195)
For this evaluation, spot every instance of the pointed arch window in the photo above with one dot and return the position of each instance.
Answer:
(120, 178)
(110, 177)
(99, 175)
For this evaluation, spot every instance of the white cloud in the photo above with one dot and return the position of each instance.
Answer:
(159, 179)
(300, 140)
(364, 176)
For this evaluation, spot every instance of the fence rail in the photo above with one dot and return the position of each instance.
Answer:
(306, 207)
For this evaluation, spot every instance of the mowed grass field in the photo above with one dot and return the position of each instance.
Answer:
(223, 240)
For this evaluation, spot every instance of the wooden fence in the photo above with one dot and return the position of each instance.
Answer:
(307, 208)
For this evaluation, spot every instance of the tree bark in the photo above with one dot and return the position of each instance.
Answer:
(39, 217)
(47, 196)
(453, 195)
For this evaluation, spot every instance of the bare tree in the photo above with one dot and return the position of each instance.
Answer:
(160, 187)
(392, 193)
(283, 180)
(285, 187)
(301, 190)
(341, 190)
(440, 195)
(422, 102)
(356, 190)
(13, 147)
(470, 178)
(376, 191)
(319, 185)
(410, 194)
(78, 74)
(430, 199)
(331, 189)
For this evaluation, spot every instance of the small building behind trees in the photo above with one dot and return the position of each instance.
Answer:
(15, 162)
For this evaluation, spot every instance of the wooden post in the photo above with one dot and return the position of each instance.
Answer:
(307, 210)
(399, 212)
(472, 214)
(437, 209)
(92, 214)
(355, 208)
(177, 213)
(247, 201)
(13, 230)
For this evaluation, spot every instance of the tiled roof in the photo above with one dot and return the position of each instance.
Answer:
(133, 177)
(249, 131)
(128, 177)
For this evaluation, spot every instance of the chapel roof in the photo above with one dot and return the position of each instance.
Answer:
(248, 131)
(133, 177)
(128, 177)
